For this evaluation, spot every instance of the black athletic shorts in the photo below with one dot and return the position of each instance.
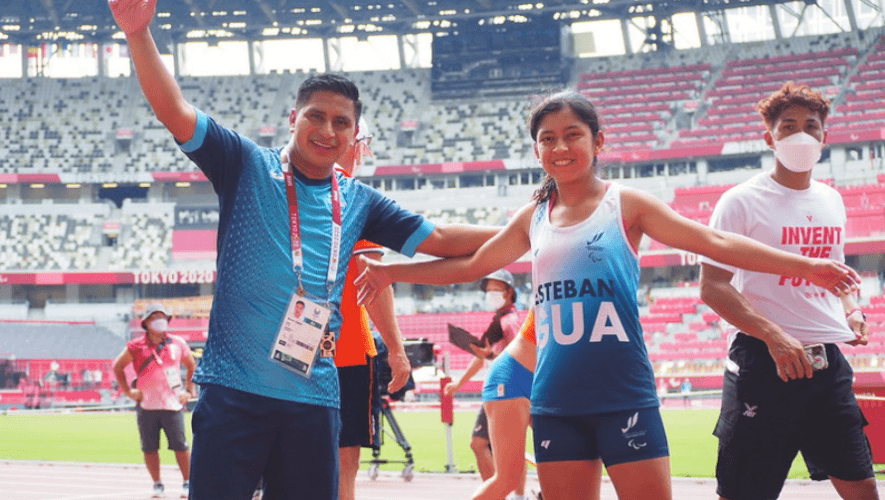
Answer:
(765, 421)
(481, 427)
(360, 406)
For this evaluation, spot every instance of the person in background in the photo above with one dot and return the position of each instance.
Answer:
(686, 392)
(158, 391)
(355, 352)
(500, 296)
(787, 387)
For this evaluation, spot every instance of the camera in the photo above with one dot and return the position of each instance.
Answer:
(420, 353)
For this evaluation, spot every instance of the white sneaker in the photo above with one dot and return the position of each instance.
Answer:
(158, 491)
(185, 489)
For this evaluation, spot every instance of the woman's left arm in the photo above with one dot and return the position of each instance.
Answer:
(646, 214)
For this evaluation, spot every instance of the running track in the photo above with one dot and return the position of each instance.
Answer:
(27, 480)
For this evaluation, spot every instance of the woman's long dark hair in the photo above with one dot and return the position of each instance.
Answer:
(585, 111)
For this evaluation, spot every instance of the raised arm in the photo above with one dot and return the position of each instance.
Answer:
(646, 214)
(502, 249)
(159, 86)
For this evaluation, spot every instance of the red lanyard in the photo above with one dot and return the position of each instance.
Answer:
(295, 231)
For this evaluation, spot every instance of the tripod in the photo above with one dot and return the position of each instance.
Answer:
(386, 415)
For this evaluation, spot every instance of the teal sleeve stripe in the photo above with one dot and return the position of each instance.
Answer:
(199, 133)
(418, 237)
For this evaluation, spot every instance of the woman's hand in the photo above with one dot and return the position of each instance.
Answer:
(836, 277)
(484, 351)
(371, 281)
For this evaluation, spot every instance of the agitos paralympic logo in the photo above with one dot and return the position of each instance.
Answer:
(635, 438)
(594, 251)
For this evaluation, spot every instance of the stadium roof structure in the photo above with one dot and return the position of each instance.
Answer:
(77, 21)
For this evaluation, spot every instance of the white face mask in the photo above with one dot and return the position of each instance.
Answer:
(798, 152)
(495, 300)
(159, 325)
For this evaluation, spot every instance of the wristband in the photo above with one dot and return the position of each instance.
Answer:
(856, 309)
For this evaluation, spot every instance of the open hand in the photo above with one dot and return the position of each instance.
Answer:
(371, 281)
(133, 16)
(836, 277)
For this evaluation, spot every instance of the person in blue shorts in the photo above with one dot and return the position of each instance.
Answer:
(269, 395)
(593, 395)
(505, 399)
(500, 293)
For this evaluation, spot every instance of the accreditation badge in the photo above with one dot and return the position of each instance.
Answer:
(298, 340)
(173, 377)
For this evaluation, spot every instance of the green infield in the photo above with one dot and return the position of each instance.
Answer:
(113, 438)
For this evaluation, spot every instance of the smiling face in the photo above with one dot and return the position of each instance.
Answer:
(322, 130)
(566, 146)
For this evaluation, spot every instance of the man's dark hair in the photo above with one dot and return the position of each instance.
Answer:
(331, 83)
(790, 95)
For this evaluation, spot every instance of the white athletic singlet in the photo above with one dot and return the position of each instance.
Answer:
(591, 355)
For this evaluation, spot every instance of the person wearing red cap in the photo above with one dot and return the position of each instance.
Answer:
(159, 396)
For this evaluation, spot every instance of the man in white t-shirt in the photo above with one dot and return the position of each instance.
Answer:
(787, 386)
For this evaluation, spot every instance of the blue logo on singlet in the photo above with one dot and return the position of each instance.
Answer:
(594, 251)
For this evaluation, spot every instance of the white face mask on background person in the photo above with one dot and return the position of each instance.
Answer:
(159, 325)
(495, 300)
(798, 152)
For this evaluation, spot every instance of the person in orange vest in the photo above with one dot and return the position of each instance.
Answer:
(356, 348)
